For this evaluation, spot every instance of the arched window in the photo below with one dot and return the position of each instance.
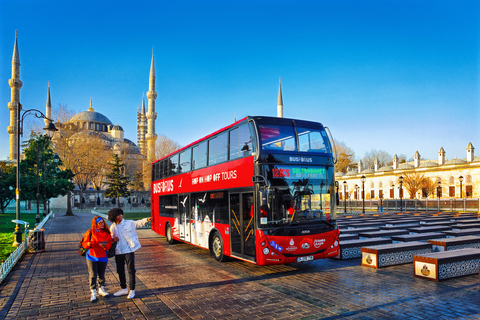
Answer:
(451, 180)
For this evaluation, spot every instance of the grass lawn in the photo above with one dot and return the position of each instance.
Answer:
(7, 227)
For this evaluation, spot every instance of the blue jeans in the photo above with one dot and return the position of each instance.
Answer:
(96, 268)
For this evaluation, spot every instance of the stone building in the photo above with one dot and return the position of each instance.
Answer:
(455, 178)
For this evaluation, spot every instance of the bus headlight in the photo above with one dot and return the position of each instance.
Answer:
(266, 251)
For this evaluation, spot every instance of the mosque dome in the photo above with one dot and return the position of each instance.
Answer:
(368, 171)
(428, 164)
(406, 166)
(117, 127)
(385, 169)
(90, 116)
(455, 161)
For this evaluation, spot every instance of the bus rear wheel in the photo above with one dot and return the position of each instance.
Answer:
(217, 248)
(168, 234)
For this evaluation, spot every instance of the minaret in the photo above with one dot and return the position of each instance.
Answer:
(441, 156)
(280, 100)
(416, 159)
(142, 129)
(470, 154)
(395, 162)
(48, 109)
(151, 115)
(14, 105)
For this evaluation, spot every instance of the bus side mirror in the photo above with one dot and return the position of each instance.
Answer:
(263, 198)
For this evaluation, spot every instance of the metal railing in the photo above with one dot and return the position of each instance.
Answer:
(460, 205)
(15, 256)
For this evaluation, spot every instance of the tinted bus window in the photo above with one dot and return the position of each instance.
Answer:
(167, 205)
(217, 149)
(199, 156)
(240, 142)
(312, 140)
(185, 161)
(277, 137)
(173, 165)
(212, 151)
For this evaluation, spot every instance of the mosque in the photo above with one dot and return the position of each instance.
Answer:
(90, 122)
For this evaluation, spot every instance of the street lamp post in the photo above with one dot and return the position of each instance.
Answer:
(345, 196)
(51, 127)
(438, 193)
(363, 193)
(37, 218)
(401, 192)
(461, 191)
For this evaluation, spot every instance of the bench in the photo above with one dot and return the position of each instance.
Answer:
(436, 224)
(399, 227)
(344, 237)
(422, 237)
(466, 218)
(402, 222)
(463, 232)
(461, 226)
(356, 231)
(434, 219)
(393, 254)
(351, 249)
(446, 264)
(366, 225)
(429, 229)
(382, 234)
(455, 243)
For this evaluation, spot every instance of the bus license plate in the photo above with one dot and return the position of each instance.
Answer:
(306, 258)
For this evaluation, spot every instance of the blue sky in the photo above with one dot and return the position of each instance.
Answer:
(398, 76)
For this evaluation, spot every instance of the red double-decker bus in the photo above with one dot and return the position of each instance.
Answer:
(260, 190)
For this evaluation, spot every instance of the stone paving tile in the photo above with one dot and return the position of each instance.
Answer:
(184, 282)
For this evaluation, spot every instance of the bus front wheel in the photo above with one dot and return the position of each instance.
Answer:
(168, 234)
(217, 248)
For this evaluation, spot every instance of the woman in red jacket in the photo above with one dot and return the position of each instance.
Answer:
(97, 240)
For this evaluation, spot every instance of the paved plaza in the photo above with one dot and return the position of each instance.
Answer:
(181, 281)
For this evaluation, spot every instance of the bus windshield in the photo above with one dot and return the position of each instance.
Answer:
(297, 195)
(287, 137)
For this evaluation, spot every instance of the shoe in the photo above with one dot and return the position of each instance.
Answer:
(102, 292)
(94, 295)
(122, 292)
(131, 294)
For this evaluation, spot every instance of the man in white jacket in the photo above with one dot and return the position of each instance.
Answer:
(124, 232)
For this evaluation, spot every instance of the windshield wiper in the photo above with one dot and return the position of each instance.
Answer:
(328, 223)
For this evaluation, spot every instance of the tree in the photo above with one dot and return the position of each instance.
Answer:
(52, 181)
(428, 186)
(383, 158)
(412, 182)
(137, 182)
(345, 157)
(116, 181)
(91, 161)
(7, 184)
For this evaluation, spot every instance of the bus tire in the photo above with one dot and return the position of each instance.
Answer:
(169, 234)
(217, 248)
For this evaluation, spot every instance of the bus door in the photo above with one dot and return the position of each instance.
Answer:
(242, 224)
(184, 208)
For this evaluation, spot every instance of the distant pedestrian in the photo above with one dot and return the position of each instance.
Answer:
(97, 240)
(124, 231)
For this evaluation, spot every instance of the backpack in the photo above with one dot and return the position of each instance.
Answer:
(81, 250)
